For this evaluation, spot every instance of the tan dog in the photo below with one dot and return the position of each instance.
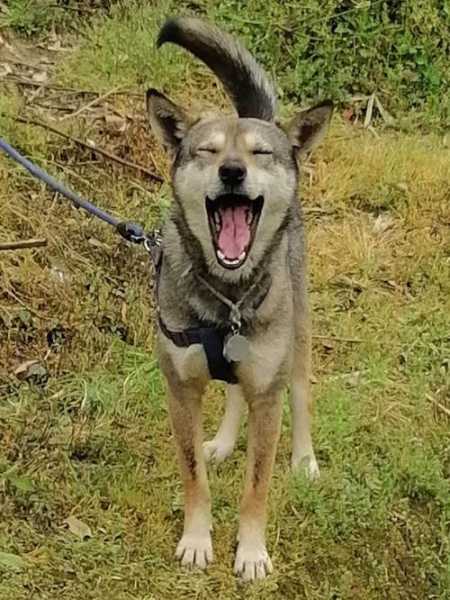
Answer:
(232, 284)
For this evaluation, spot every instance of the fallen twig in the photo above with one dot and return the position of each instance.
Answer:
(348, 282)
(96, 149)
(369, 111)
(93, 102)
(54, 86)
(438, 405)
(387, 117)
(316, 210)
(21, 63)
(373, 132)
(338, 339)
(75, 9)
(22, 244)
(50, 106)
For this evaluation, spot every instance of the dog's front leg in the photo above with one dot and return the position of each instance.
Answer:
(264, 419)
(195, 546)
(222, 445)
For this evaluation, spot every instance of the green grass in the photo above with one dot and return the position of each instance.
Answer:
(107, 58)
(36, 17)
(337, 49)
(91, 438)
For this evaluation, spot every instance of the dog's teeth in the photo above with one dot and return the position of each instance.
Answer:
(217, 221)
(230, 261)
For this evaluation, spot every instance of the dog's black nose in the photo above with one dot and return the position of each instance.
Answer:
(232, 172)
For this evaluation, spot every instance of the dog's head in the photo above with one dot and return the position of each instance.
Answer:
(234, 178)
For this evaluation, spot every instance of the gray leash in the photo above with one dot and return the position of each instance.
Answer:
(132, 232)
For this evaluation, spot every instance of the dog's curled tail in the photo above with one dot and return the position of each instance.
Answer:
(244, 80)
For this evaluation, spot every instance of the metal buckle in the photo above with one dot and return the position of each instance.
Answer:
(152, 241)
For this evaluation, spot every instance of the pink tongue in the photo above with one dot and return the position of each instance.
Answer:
(235, 233)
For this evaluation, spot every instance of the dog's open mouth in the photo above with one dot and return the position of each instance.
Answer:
(233, 220)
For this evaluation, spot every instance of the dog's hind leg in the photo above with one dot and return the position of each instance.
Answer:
(301, 403)
(195, 546)
(222, 445)
(264, 422)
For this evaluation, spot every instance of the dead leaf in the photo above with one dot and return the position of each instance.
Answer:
(347, 282)
(22, 371)
(5, 69)
(115, 123)
(3, 40)
(348, 114)
(55, 46)
(327, 346)
(391, 284)
(353, 379)
(35, 373)
(98, 244)
(78, 528)
(402, 186)
(124, 312)
(382, 223)
(40, 76)
(57, 274)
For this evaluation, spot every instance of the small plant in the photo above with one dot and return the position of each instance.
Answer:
(34, 17)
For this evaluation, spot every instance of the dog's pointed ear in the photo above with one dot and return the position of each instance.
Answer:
(168, 121)
(308, 128)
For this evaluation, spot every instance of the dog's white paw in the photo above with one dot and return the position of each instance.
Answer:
(308, 464)
(217, 450)
(252, 561)
(195, 550)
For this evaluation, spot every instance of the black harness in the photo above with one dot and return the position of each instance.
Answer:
(212, 339)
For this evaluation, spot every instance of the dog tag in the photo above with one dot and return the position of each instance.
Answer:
(236, 348)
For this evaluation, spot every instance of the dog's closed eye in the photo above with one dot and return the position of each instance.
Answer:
(263, 151)
(207, 150)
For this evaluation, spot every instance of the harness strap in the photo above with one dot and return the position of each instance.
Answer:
(212, 340)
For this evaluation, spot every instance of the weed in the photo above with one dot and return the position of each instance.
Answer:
(31, 17)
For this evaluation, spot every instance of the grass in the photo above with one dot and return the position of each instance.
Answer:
(35, 17)
(316, 49)
(88, 436)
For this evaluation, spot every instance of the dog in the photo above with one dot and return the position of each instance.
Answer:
(232, 284)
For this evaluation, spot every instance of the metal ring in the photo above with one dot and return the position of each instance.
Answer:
(147, 244)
